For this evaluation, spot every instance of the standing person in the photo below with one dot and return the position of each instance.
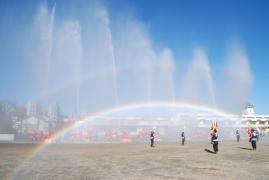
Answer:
(214, 141)
(182, 138)
(253, 139)
(257, 134)
(237, 135)
(152, 139)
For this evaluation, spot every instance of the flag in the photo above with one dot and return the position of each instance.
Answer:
(214, 125)
(249, 132)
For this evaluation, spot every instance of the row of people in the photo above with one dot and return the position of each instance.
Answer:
(253, 136)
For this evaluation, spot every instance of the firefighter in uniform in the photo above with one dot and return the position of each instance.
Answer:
(253, 139)
(214, 140)
(182, 138)
(152, 139)
(237, 135)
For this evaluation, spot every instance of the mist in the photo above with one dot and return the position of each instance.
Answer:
(94, 62)
(239, 79)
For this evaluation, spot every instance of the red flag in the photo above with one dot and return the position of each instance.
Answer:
(249, 132)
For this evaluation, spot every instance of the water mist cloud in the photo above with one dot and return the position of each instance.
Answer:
(197, 85)
(239, 78)
(42, 42)
(151, 73)
(66, 63)
(93, 63)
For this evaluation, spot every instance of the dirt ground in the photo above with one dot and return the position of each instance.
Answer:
(135, 161)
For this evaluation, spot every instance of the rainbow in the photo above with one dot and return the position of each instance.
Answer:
(124, 107)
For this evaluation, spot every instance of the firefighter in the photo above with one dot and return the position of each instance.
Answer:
(152, 139)
(214, 141)
(237, 135)
(253, 139)
(182, 138)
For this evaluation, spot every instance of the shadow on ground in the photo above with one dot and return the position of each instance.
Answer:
(245, 148)
(209, 151)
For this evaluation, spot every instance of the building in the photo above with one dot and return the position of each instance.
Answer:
(33, 109)
(250, 119)
(54, 113)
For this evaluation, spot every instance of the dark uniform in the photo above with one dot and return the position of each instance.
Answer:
(258, 135)
(253, 139)
(215, 141)
(152, 139)
(182, 138)
(237, 135)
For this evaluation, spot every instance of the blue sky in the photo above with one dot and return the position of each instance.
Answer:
(177, 24)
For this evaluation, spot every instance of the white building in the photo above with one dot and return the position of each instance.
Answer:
(30, 124)
(33, 109)
(54, 112)
(249, 118)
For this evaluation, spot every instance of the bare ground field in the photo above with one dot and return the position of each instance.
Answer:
(135, 161)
